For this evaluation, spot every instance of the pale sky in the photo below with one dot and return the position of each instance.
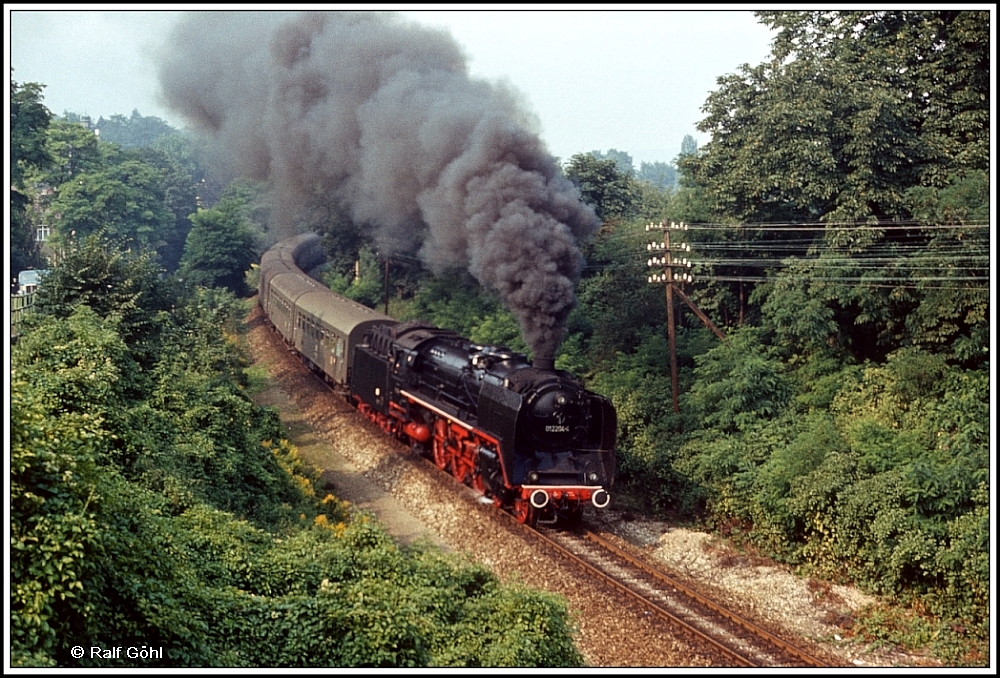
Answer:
(631, 79)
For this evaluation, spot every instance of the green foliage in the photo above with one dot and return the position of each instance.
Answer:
(739, 383)
(689, 146)
(52, 466)
(173, 514)
(127, 201)
(135, 131)
(179, 197)
(120, 285)
(659, 174)
(500, 329)
(603, 186)
(652, 203)
(951, 313)
(80, 362)
(798, 312)
(616, 305)
(220, 248)
(367, 287)
(74, 150)
(142, 194)
(456, 302)
(29, 121)
(807, 137)
(881, 483)
(852, 109)
(622, 160)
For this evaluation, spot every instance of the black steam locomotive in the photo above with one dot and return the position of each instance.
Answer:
(527, 436)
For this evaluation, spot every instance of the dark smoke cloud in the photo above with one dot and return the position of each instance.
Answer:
(381, 114)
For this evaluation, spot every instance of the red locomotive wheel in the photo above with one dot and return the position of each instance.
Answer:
(440, 458)
(477, 483)
(524, 512)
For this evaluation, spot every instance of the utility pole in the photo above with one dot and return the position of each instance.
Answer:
(674, 279)
(668, 262)
(385, 287)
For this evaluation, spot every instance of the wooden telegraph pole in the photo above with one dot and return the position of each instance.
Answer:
(668, 262)
(385, 287)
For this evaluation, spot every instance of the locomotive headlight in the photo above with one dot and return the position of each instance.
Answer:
(592, 477)
(533, 477)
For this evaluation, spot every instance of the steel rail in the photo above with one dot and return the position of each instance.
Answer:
(740, 621)
(737, 658)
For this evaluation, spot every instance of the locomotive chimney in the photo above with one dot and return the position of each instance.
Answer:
(544, 363)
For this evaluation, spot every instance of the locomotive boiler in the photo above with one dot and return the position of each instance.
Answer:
(527, 436)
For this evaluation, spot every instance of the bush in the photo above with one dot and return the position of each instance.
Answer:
(176, 515)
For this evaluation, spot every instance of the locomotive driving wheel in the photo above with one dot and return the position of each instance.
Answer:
(477, 482)
(524, 512)
(440, 454)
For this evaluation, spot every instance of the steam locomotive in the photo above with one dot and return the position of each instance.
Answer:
(525, 435)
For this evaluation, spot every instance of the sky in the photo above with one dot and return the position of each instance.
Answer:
(597, 78)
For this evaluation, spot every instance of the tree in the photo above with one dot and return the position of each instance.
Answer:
(220, 248)
(126, 202)
(659, 174)
(115, 282)
(179, 197)
(134, 132)
(623, 161)
(851, 109)
(688, 145)
(29, 121)
(952, 313)
(179, 517)
(853, 117)
(75, 150)
(602, 185)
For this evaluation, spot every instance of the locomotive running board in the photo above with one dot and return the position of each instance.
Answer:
(563, 487)
(437, 410)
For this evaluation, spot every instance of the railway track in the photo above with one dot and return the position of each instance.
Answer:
(734, 639)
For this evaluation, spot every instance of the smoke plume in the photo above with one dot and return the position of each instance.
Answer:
(380, 114)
